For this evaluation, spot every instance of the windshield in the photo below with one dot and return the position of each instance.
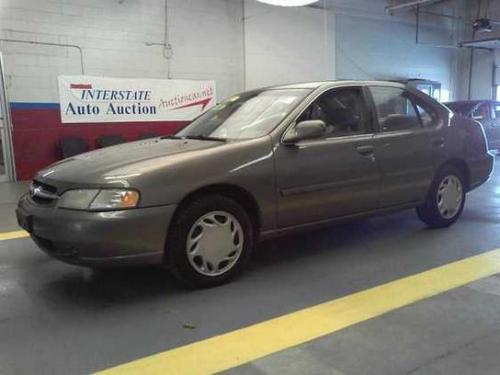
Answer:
(248, 115)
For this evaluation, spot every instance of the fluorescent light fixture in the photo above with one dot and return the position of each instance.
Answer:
(288, 3)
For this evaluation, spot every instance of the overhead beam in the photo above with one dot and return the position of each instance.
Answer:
(408, 4)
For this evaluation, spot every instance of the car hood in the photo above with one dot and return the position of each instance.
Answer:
(91, 168)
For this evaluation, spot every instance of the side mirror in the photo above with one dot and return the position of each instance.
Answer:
(311, 129)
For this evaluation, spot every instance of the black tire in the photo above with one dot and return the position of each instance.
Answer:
(429, 212)
(176, 252)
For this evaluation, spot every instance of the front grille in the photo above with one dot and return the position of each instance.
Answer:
(43, 194)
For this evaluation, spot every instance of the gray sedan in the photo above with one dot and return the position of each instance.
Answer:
(262, 163)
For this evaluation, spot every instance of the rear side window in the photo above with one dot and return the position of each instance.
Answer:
(461, 108)
(395, 110)
(482, 112)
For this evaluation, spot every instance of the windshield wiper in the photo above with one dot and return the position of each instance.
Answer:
(205, 138)
(171, 136)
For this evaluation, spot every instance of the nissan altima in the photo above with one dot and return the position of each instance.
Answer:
(262, 163)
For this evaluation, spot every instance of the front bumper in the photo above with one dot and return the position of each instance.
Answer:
(127, 237)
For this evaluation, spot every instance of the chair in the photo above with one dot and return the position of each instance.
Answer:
(71, 146)
(146, 135)
(109, 140)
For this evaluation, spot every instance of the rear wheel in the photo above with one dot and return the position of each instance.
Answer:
(445, 200)
(209, 242)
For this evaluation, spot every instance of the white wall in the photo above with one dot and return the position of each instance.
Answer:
(286, 45)
(207, 42)
(353, 39)
(206, 36)
(372, 44)
(481, 86)
(482, 75)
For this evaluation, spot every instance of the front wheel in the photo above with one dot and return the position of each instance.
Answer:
(445, 200)
(209, 242)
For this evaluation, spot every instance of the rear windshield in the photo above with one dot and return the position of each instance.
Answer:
(463, 109)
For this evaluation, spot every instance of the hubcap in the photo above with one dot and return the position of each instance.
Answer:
(214, 243)
(449, 196)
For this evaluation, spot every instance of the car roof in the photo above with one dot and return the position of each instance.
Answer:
(333, 83)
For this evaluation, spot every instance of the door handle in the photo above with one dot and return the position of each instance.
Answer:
(365, 150)
(438, 142)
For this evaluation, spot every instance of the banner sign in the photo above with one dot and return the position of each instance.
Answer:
(100, 99)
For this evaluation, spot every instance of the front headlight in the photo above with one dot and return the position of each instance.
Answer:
(115, 199)
(99, 200)
(77, 199)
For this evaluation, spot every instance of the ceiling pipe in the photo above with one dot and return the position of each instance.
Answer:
(168, 51)
(408, 4)
(49, 44)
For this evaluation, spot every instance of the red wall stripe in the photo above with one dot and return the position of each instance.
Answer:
(37, 130)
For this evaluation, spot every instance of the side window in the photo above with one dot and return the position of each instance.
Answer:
(482, 112)
(428, 116)
(342, 110)
(395, 111)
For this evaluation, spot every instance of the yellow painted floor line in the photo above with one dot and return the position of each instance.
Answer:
(247, 344)
(13, 235)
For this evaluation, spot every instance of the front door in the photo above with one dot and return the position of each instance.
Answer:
(403, 145)
(335, 175)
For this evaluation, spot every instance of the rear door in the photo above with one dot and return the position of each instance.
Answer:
(403, 146)
(335, 175)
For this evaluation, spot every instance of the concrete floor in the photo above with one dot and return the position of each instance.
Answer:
(61, 319)
(9, 194)
(454, 333)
